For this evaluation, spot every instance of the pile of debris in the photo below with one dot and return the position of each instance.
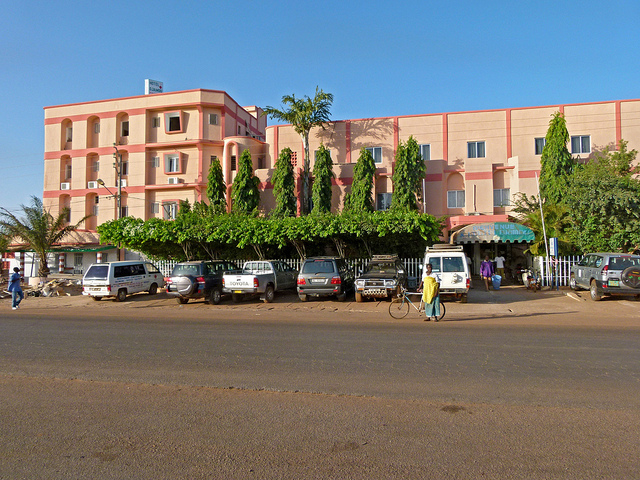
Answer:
(56, 288)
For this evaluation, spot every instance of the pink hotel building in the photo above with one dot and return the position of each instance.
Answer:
(476, 161)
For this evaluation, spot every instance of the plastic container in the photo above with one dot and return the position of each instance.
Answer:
(495, 280)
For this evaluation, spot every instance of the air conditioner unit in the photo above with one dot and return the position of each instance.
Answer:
(92, 184)
(65, 186)
(174, 180)
(123, 183)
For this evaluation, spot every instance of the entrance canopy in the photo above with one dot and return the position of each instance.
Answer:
(493, 232)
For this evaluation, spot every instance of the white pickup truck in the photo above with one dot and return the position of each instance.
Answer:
(260, 277)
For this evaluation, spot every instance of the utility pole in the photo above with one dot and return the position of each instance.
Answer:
(118, 166)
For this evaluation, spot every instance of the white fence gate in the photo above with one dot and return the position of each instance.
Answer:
(555, 271)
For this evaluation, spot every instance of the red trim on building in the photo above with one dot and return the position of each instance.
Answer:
(433, 177)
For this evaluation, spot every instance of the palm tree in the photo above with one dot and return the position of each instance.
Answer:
(304, 114)
(38, 229)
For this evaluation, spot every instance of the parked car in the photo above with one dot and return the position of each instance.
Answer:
(260, 277)
(607, 274)
(119, 279)
(383, 278)
(450, 263)
(325, 276)
(198, 279)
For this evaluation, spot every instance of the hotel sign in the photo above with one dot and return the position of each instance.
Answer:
(152, 86)
(494, 232)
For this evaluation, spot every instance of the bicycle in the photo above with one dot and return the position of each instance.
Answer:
(400, 305)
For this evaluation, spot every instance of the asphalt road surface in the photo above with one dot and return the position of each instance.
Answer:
(509, 386)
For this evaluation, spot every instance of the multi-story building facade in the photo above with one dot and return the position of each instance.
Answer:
(476, 161)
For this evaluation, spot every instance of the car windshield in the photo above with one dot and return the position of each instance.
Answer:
(621, 263)
(97, 271)
(318, 266)
(381, 267)
(188, 269)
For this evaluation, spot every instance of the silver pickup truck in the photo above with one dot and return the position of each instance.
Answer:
(260, 277)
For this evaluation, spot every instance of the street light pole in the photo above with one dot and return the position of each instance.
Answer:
(118, 166)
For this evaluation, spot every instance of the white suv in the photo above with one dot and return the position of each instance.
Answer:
(450, 263)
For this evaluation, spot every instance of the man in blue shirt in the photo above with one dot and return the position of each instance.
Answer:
(15, 289)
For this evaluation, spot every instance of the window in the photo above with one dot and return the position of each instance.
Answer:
(155, 207)
(239, 130)
(476, 149)
(540, 143)
(260, 162)
(77, 260)
(213, 119)
(105, 258)
(173, 122)
(125, 168)
(501, 197)
(169, 210)
(96, 166)
(69, 134)
(96, 201)
(383, 201)
(67, 171)
(155, 122)
(124, 129)
(96, 127)
(213, 158)
(155, 162)
(233, 163)
(315, 154)
(581, 144)
(376, 153)
(455, 199)
(172, 163)
(425, 152)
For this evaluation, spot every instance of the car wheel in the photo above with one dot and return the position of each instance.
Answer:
(215, 297)
(97, 299)
(236, 297)
(464, 298)
(302, 297)
(573, 285)
(182, 300)
(153, 289)
(122, 295)
(595, 296)
(358, 297)
(269, 294)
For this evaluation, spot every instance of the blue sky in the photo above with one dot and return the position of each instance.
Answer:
(377, 58)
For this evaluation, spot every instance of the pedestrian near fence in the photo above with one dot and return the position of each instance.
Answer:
(15, 289)
(486, 271)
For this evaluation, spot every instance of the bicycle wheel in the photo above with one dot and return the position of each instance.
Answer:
(398, 308)
(443, 310)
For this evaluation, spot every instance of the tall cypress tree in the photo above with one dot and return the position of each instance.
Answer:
(360, 198)
(216, 188)
(246, 196)
(556, 163)
(407, 175)
(283, 181)
(322, 176)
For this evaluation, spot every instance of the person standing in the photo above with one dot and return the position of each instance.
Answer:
(500, 265)
(430, 287)
(15, 289)
(486, 271)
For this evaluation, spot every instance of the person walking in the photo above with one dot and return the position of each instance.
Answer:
(430, 288)
(15, 288)
(499, 261)
(486, 271)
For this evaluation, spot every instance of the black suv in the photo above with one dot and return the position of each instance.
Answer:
(198, 279)
(325, 276)
(383, 278)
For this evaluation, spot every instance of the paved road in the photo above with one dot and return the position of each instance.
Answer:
(284, 391)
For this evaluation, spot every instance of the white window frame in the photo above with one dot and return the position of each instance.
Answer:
(124, 168)
(425, 152)
(536, 144)
(155, 122)
(96, 166)
(213, 119)
(155, 162)
(124, 211)
(68, 170)
(96, 127)
(376, 153)
(502, 193)
(458, 198)
(124, 128)
(155, 207)
(172, 163)
(168, 117)
(383, 200)
(169, 210)
(578, 144)
(69, 133)
(474, 152)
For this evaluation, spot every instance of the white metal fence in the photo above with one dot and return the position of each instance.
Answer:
(555, 271)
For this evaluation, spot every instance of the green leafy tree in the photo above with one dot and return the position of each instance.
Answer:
(304, 114)
(603, 198)
(283, 181)
(556, 163)
(216, 187)
(407, 176)
(246, 195)
(360, 198)
(322, 176)
(38, 229)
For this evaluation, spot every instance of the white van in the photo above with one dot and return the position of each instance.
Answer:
(119, 279)
(450, 263)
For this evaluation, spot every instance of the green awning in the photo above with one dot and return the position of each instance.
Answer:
(70, 249)
(493, 232)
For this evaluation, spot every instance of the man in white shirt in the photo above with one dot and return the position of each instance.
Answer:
(500, 265)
